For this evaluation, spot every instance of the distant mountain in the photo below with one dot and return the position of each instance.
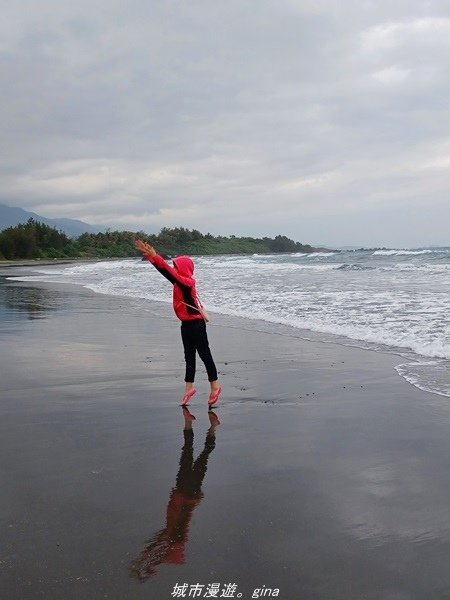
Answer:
(10, 216)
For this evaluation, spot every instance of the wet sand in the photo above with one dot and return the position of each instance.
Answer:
(327, 477)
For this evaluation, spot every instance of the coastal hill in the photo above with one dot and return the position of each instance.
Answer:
(11, 216)
(35, 240)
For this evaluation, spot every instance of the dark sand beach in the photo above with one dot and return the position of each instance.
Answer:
(326, 479)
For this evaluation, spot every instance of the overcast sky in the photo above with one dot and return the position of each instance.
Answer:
(326, 121)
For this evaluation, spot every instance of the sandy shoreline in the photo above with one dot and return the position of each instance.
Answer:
(328, 478)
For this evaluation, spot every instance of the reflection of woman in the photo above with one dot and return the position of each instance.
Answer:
(167, 545)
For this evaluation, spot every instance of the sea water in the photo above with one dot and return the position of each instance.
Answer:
(384, 300)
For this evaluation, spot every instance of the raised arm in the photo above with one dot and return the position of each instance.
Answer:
(146, 249)
(161, 265)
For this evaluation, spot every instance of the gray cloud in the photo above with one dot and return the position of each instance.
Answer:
(304, 118)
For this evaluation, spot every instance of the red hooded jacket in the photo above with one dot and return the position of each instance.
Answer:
(184, 291)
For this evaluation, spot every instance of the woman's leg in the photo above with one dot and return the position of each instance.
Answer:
(204, 352)
(189, 354)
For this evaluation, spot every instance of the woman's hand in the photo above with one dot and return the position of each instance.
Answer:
(145, 248)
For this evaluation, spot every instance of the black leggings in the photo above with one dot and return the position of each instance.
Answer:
(195, 339)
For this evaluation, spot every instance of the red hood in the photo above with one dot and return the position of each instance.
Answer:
(184, 265)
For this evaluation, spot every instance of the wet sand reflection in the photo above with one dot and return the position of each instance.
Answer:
(31, 302)
(168, 545)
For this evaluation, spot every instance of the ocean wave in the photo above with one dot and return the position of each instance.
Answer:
(316, 254)
(275, 267)
(430, 376)
(376, 337)
(423, 267)
(355, 267)
(89, 267)
(409, 252)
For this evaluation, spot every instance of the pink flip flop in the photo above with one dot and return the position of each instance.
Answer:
(188, 395)
(214, 396)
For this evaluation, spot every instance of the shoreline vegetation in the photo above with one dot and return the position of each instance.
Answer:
(36, 241)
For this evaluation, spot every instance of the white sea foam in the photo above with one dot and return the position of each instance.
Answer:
(408, 252)
(276, 267)
(317, 254)
(430, 376)
(425, 267)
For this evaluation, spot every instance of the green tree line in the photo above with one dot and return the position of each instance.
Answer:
(36, 240)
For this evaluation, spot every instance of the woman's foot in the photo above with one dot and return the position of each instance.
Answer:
(187, 396)
(214, 395)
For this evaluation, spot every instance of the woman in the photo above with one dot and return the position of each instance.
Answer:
(188, 309)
